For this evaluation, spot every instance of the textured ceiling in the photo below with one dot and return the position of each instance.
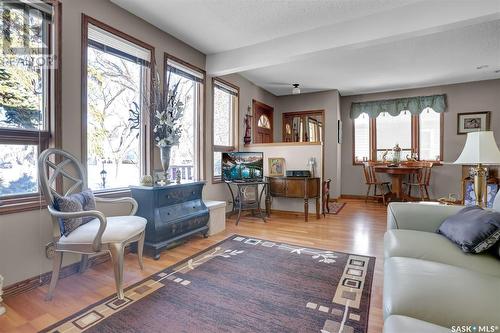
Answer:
(213, 26)
(440, 58)
(355, 46)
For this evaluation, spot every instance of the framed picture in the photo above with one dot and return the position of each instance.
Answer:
(473, 122)
(276, 166)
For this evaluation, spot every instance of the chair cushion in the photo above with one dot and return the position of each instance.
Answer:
(435, 247)
(118, 229)
(472, 228)
(441, 294)
(76, 202)
(400, 324)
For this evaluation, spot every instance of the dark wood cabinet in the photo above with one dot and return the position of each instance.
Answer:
(297, 187)
(174, 212)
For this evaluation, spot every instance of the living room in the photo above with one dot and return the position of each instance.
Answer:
(253, 165)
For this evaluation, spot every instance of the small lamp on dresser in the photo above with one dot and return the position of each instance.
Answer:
(480, 149)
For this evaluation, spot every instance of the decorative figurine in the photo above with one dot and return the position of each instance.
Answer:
(247, 139)
(396, 154)
(312, 166)
(384, 155)
(178, 176)
(147, 180)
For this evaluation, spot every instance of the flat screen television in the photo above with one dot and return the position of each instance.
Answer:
(242, 166)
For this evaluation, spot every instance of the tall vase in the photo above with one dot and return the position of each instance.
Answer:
(165, 160)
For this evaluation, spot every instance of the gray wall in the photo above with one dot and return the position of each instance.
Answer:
(328, 101)
(248, 91)
(464, 97)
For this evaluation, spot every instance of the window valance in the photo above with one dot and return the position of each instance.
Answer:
(415, 105)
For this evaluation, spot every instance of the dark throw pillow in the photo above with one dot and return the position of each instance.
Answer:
(472, 228)
(76, 202)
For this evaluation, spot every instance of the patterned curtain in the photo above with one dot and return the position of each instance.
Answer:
(415, 105)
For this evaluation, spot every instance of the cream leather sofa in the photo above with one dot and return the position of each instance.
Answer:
(430, 285)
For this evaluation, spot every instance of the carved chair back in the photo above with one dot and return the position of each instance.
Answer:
(58, 166)
(369, 172)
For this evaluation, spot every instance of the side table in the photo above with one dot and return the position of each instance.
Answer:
(247, 197)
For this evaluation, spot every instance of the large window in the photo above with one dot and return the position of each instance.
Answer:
(362, 138)
(419, 135)
(29, 93)
(118, 75)
(392, 130)
(225, 115)
(430, 135)
(188, 81)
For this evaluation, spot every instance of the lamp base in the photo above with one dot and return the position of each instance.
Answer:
(479, 184)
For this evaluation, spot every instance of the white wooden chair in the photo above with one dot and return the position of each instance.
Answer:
(101, 234)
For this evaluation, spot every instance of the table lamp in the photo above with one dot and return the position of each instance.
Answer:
(480, 149)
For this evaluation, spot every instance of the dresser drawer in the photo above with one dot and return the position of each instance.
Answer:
(178, 195)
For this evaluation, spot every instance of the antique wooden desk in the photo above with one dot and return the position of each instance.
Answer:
(174, 212)
(297, 187)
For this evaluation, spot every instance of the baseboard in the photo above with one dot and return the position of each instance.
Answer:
(358, 196)
(43, 279)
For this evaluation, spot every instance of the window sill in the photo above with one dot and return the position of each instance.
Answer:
(21, 204)
(113, 193)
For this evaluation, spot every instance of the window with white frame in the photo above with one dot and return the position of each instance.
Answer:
(225, 113)
(118, 74)
(28, 64)
(188, 83)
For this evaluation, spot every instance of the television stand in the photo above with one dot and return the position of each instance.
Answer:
(248, 197)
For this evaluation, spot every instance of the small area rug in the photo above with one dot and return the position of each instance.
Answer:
(335, 207)
(241, 284)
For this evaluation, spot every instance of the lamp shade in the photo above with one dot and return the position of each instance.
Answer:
(480, 147)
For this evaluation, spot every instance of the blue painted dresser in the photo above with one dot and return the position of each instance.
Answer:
(174, 212)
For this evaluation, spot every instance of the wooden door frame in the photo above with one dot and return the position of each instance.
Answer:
(302, 113)
(256, 103)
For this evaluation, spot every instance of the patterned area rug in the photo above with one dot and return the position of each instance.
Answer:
(241, 284)
(335, 207)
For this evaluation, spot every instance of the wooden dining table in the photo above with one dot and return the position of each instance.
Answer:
(397, 173)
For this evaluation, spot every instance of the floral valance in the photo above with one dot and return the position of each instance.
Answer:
(415, 105)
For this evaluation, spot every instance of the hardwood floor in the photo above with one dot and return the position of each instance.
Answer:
(359, 228)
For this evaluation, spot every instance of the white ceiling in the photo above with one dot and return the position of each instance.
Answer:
(355, 46)
(440, 58)
(213, 26)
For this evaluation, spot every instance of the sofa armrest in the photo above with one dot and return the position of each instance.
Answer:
(418, 216)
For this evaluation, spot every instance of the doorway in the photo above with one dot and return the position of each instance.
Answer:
(263, 122)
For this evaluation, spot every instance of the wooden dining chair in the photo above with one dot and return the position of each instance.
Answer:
(371, 179)
(326, 196)
(420, 180)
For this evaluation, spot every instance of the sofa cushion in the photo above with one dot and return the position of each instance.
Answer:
(441, 294)
(473, 229)
(400, 324)
(435, 247)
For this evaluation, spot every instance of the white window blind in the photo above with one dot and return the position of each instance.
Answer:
(110, 43)
(184, 70)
